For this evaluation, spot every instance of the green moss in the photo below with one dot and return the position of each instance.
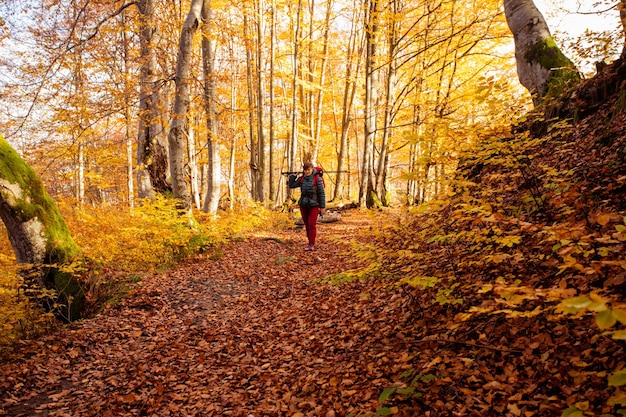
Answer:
(71, 296)
(548, 55)
(373, 201)
(36, 203)
(563, 73)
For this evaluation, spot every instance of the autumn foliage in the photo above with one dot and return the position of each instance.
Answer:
(515, 284)
(503, 299)
(120, 247)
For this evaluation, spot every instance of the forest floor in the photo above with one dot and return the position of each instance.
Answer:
(251, 331)
(259, 327)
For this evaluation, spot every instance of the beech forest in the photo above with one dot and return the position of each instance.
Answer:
(314, 208)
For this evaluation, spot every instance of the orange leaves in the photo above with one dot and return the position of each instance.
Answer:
(236, 335)
(242, 334)
(128, 398)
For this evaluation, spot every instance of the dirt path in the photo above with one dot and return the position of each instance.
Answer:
(249, 334)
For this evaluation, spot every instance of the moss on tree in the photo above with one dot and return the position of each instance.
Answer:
(26, 200)
(563, 73)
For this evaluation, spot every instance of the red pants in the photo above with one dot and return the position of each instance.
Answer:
(309, 216)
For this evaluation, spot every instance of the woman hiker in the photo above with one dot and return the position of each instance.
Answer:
(312, 200)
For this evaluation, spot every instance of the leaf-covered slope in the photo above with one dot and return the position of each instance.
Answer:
(536, 228)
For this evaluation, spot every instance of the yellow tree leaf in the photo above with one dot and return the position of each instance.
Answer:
(605, 319)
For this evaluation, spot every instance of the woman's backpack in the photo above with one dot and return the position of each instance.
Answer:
(318, 174)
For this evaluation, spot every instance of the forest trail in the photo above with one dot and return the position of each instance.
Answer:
(250, 333)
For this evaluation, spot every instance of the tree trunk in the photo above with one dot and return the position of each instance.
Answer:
(366, 197)
(127, 115)
(541, 66)
(129, 161)
(233, 136)
(294, 97)
(383, 159)
(260, 98)
(348, 100)
(152, 152)
(254, 164)
(622, 15)
(37, 232)
(319, 99)
(179, 123)
(80, 171)
(212, 199)
(272, 134)
(192, 162)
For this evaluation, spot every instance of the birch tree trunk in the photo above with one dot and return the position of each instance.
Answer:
(294, 93)
(179, 124)
(307, 86)
(254, 164)
(212, 199)
(541, 66)
(383, 159)
(80, 171)
(127, 116)
(37, 232)
(233, 136)
(319, 99)
(129, 161)
(293, 144)
(193, 166)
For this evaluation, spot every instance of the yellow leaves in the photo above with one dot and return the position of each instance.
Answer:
(497, 258)
(620, 315)
(463, 317)
(508, 241)
(618, 379)
(605, 317)
(514, 409)
(582, 303)
(485, 289)
(420, 281)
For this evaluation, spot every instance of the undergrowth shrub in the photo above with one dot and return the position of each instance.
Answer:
(150, 237)
(243, 221)
(19, 318)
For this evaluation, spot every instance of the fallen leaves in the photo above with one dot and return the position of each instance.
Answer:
(243, 335)
(239, 335)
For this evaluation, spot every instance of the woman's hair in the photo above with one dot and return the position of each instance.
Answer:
(307, 165)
